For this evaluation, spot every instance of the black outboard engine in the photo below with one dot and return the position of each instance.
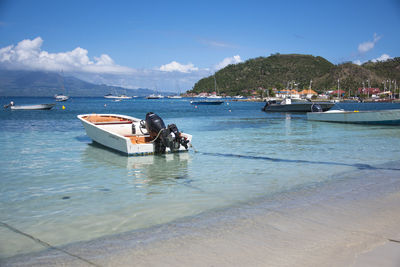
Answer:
(162, 136)
(316, 108)
(266, 105)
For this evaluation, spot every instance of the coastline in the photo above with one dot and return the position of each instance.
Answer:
(343, 222)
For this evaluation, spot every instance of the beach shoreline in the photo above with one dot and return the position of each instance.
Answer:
(340, 223)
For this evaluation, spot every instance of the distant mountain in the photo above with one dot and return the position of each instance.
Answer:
(36, 83)
(277, 70)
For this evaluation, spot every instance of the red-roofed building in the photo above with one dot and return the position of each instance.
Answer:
(371, 91)
(340, 92)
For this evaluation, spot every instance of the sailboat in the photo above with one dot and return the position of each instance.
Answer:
(61, 97)
(154, 96)
(176, 96)
(210, 102)
(115, 96)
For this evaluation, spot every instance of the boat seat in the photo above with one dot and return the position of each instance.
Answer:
(102, 120)
(112, 122)
(139, 139)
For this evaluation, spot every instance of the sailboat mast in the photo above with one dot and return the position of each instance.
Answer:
(215, 85)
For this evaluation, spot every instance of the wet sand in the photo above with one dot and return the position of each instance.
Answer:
(346, 222)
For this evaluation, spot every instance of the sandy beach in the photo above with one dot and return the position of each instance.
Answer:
(339, 223)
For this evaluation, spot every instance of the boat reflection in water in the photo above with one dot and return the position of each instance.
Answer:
(150, 170)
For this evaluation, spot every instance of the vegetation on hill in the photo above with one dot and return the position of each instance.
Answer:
(277, 71)
(389, 69)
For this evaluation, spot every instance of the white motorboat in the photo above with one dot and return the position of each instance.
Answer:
(30, 107)
(390, 117)
(175, 97)
(111, 96)
(133, 136)
(154, 96)
(214, 96)
(61, 98)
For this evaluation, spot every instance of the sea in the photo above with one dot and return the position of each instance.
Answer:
(58, 188)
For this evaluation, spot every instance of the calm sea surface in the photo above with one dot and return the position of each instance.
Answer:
(57, 186)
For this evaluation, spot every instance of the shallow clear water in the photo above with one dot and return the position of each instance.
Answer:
(59, 187)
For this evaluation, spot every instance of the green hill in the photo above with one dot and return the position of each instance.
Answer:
(276, 71)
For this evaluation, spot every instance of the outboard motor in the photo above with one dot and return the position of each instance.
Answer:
(9, 105)
(316, 108)
(266, 105)
(162, 136)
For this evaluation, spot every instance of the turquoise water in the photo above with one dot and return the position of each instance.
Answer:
(57, 186)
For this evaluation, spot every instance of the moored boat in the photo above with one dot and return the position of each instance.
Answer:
(154, 96)
(61, 98)
(207, 102)
(294, 105)
(30, 107)
(389, 117)
(111, 96)
(133, 136)
(175, 97)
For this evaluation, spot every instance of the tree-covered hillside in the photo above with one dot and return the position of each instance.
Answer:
(278, 70)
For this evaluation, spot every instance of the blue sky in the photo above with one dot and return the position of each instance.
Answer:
(169, 45)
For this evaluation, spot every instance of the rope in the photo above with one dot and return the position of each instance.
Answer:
(43, 243)
(194, 149)
(152, 141)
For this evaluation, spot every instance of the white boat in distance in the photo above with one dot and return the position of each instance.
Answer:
(133, 136)
(174, 96)
(388, 117)
(214, 96)
(154, 96)
(111, 96)
(61, 97)
(30, 107)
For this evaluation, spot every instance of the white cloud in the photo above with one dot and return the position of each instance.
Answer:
(383, 57)
(28, 55)
(366, 46)
(227, 61)
(176, 66)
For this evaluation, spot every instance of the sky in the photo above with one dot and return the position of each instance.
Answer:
(170, 45)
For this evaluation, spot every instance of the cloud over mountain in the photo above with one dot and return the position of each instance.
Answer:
(176, 66)
(227, 61)
(28, 55)
(383, 57)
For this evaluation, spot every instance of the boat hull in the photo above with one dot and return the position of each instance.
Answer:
(33, 107)
(296, 107)
(120, 136)
(387, 117)
(117, 97)
(61, 98)
(206, 102)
